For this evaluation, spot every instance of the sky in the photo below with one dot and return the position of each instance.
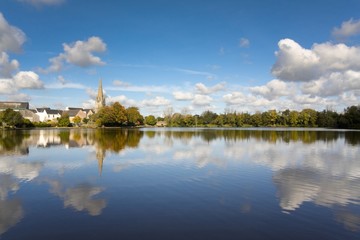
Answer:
(185, 56)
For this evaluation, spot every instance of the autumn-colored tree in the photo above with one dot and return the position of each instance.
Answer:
(134, 118)
(77, 120)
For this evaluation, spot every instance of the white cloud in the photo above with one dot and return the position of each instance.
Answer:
(11, 38)
(120, 83)
(123, 100)
(61, 79)
(80, 53)
(81, 199)
(348, 28)
(244, 42)
(319, 75)
(90, 104)
(272, 90)
(334, 84)
(28, 80)
(26, 171)
(157, 101)
(7, 86)
(201, 100)
(38, 3)
(183, 96)
(59, 85)
(6, 66)
(295, 63)
(19, 97)
(202, 89)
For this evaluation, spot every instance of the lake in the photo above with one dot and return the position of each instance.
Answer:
(179, 183)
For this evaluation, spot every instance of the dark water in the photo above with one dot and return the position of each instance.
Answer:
(179, 184)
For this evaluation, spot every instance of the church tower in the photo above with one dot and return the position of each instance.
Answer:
(100, 100)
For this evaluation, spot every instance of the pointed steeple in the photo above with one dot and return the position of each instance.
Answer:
(100, 100)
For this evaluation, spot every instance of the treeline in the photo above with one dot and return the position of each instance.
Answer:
(114, 115)
(350, 119)
(117, 115)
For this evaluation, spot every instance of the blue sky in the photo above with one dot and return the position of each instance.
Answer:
(190, 56)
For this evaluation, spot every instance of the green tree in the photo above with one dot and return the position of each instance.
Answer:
(11, 118)
(351, 118)
(64, 120)
(134, 118)
(208, 117)
(327, 118)
(188, 120)
(256, 119)
(114, 115)
(293, 118)
(284, 118)
(219, 120)
(119, 113)
(150, 120)
(273, 117)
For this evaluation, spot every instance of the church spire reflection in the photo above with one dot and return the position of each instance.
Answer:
(100, 155)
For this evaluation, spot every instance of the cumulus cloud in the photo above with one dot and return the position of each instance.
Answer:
(183, 96)
(348, 28)
(234, 98)
(334, 84)
(22, 80)
(38, 3)
(7, 86)
(119, 83)
(157, 101)
(318, 75)
(11, 38)
(29, 80)
(272, 90)
(7, 67)
(80, 53)
(19, 97)
(244, 42)
(122, 99)
(201, 100)
(295, 63)
(202, 89)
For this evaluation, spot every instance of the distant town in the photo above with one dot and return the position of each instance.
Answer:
(46, 114)
(117, 115)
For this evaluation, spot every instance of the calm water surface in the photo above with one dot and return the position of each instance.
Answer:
(179, 184)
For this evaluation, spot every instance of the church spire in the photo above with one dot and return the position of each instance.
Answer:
(100, 100)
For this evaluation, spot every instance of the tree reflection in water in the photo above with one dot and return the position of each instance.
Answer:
(306, 165)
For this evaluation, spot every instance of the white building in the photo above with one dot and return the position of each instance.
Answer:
(47, 114)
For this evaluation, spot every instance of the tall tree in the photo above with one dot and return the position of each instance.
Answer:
(134, 118)
(11, 118)
(64, 120)
(150, 120)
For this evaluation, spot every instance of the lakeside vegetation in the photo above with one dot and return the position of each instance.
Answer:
(117, 115)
